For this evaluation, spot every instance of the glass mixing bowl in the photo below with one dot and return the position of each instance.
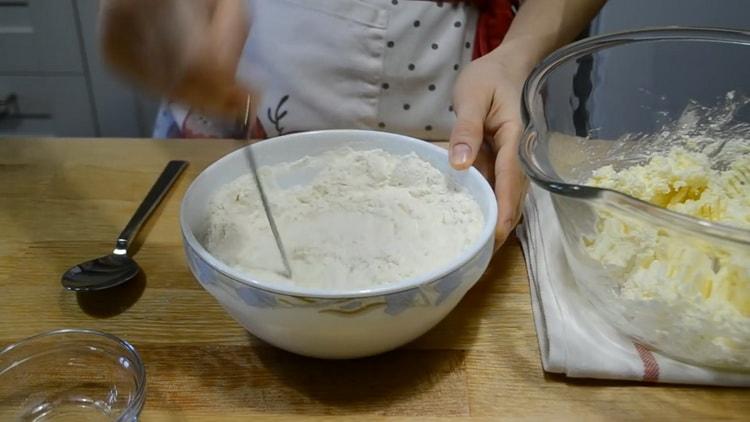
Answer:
(71, 375)
(675, 283)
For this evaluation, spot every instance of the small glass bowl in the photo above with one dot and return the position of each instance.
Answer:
(71, 375)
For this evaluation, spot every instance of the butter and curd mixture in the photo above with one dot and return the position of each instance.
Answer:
(707, 284)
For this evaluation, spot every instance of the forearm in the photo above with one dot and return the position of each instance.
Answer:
(541, 26)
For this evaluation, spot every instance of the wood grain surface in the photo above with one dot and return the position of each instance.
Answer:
(64, 201)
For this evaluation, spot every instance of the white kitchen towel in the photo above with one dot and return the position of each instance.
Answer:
(573, 339)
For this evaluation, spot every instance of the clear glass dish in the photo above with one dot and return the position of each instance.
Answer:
(617, 100)
(71, 375)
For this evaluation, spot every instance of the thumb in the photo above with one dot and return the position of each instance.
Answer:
(471, 104)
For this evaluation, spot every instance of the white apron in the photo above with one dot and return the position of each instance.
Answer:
(376, 64)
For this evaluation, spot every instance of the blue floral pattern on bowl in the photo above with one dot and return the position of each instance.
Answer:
(429, 294)
(329, 325)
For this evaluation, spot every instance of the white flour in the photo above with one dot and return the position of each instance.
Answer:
(362, 219)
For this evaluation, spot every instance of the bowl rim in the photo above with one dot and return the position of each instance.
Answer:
(134, 408)
(243, 277)
(602, 42)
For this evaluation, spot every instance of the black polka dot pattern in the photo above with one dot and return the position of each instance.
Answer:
(457, 23)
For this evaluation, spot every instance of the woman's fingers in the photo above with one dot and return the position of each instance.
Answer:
(485, 162)
(510, 183)
(471, 101)
(466, 138)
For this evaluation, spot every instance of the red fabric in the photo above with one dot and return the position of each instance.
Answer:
(495, 17)
(650, 364)
(257, 131)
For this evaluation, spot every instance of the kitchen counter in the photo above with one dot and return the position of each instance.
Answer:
(63, 201)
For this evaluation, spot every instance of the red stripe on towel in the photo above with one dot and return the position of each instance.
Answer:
(650, 365)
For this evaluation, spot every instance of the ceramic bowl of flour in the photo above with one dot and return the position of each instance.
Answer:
(383, 237)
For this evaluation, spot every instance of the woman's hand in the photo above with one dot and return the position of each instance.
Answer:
(187, 51)
(487, 97)
(487, 101)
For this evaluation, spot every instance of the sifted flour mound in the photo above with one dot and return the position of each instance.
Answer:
(361, 219)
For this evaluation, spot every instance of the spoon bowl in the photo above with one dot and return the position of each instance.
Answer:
(100, 273)
(118, 267)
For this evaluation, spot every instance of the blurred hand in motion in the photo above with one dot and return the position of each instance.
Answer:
(186, 51)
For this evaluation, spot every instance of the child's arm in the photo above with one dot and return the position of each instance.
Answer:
(487, 95)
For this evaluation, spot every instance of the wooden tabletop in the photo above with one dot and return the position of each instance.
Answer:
(64, 201)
